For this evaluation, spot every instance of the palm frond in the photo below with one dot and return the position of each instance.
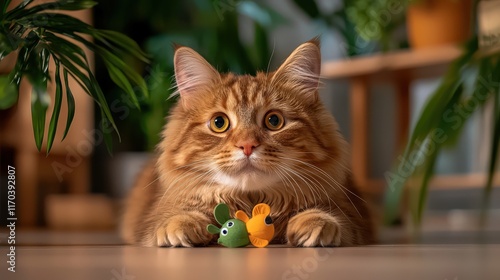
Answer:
(40, 33)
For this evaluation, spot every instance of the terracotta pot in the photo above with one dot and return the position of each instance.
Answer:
(434, 23)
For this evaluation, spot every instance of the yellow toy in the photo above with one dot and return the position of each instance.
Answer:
(260, 227)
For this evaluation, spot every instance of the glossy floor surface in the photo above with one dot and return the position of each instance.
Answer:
(52, 255)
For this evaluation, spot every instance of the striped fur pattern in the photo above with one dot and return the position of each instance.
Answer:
(300, 170)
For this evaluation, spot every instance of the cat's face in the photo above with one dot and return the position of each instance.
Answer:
(250, 132)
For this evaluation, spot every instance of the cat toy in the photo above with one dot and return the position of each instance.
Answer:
(241, 231)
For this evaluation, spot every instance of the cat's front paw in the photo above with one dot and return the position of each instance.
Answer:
(184, 230)
(313, 228)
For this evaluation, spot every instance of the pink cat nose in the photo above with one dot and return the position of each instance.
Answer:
(247, 146)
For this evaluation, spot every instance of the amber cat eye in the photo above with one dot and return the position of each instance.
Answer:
(274, 120)
(219, 123)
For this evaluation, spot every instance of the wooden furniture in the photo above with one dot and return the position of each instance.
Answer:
(67, 168)
(399, 69)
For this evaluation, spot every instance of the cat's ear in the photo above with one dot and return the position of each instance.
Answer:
(193, 73)
(301, 70)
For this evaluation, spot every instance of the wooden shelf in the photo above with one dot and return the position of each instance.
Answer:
(418, 63)
(399, 69)
(440, 182)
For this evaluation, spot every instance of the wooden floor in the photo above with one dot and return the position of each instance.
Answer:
(74, 255)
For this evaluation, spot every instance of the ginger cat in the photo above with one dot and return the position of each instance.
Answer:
(244, 140)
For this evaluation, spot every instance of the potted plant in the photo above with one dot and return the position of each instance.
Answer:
(436, 23)
(428, 23)
(35, 35)
(470, 84)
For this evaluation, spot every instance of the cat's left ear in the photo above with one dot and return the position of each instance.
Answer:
(193, 74)
(301, 70)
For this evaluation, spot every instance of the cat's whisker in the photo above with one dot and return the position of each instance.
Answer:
(337, 162)
(283, 175)
(296, 184)
(180, 177)
(146, 186)
(317, 185)
(196, 180)
(298, 175)
(271, 57)
(329, 177)
(180, 167)
(330, 199)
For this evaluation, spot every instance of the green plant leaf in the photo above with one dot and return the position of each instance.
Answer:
(108, 140)
(105, 112)
(112, 59)
(5, 6)
(63, 5)
(424, 187)
(121, 41)
(19, 9)
(90, 85)
(121, 80)
(495, 142)
(443, 99)
(8, 93)
(37, 73)
(59, 23)
(81, 77)
(71, 52)
(70, 101)
(7, 43)
(121, 66)
(57, 108)
(39, 104)
(41, 31)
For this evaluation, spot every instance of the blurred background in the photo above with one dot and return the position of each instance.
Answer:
(381, 62)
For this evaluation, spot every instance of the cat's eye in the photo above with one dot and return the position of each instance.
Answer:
(219, 123)
(274, 120)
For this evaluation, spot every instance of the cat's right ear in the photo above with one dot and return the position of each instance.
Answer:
(193, 74)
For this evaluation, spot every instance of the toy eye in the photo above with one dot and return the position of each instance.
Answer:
(224, 231)
(268, 220)
(230, 224)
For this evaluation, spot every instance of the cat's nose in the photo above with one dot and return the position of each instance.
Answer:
(247, 146)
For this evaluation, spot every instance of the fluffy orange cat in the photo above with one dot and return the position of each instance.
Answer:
(244, 140)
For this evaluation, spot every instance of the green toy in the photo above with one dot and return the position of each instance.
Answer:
(233, 232)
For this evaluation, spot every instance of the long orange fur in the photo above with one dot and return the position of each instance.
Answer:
(301, 170)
